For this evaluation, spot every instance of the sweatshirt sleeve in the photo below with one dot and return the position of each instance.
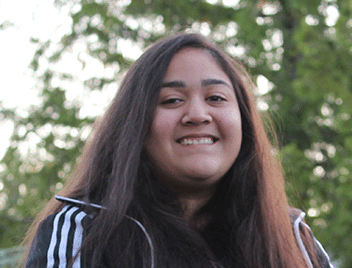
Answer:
(58, 239)
(322, 256)
(297, 219)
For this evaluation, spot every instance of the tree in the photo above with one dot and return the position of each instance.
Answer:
(300, 50)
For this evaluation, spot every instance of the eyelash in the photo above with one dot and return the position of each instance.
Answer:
(216, 98)
(213, 98)
(171, 101)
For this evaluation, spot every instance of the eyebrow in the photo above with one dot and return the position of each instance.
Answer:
(212, 81)
(204, 82)
(176, 83)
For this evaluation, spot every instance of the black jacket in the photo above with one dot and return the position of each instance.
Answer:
(60, 235)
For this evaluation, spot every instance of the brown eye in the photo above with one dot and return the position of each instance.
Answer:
(171, 101)
(216, 98)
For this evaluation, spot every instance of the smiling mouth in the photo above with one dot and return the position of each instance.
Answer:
(193, 141)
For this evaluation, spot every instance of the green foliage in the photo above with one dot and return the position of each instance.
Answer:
(5, 24)
(304, 52)
(10, 257)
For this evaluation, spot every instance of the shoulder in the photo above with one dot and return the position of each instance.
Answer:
(303, 233)
(59, 238)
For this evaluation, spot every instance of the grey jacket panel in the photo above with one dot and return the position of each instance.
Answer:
(297, 220)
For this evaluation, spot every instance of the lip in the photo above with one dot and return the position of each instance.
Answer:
(197, 135)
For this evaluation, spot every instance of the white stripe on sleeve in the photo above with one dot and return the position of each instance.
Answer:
(77, 240)
(64, 237)
(53, 241)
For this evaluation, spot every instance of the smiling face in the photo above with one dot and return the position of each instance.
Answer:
(196, 133)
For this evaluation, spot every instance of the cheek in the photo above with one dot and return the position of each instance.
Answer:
(160, 134)
(163, 125)
(232, 124)
(232, 130)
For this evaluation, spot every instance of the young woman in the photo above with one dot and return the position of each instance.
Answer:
(179, 173)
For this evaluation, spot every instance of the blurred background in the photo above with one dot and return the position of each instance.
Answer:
(62, 61)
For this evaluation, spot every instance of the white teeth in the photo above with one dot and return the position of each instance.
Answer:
(190, 141)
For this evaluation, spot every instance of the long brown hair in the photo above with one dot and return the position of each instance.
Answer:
(250, 224)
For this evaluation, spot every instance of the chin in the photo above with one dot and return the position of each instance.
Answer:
(204, 168)
(205, 174)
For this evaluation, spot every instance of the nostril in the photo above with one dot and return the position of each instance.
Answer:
(189, 123)
(196, 121)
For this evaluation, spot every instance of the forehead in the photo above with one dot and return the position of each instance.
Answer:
(194, 63)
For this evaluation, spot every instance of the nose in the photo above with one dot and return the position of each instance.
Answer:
(196, 113)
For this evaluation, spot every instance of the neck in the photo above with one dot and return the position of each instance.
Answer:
(190, 208)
